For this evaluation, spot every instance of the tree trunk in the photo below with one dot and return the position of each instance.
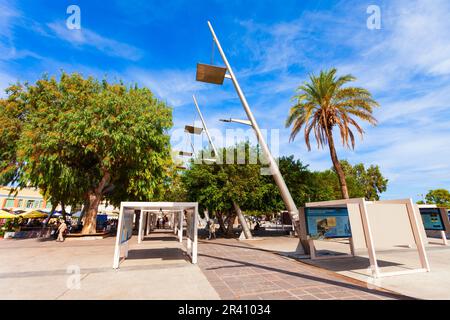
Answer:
(63, 210)
(337, 165)
(242, 221)
(90, 221)
(52, 212)
(85, 207)
(95, 197)
(221, 222)
(230, 219)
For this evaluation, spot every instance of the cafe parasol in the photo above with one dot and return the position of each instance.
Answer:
(33, 215)
(6, 215)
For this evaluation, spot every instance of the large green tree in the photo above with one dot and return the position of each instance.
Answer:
(439, 197)
(13, 114)
(364, 182)
(87, 141)
(298, 179)
(219, 186)
(323, 104)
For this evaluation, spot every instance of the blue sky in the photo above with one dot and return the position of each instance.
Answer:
(273, 46)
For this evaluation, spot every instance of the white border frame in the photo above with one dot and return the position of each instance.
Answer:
(192, 243)
(414, 224)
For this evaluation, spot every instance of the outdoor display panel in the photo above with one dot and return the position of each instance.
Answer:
(127, 226)
(374, 225)
(327, 223)
(432, 219)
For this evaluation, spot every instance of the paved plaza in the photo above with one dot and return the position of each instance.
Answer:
(431, 285)
(156, 269)
(238, 270)
(159, 269)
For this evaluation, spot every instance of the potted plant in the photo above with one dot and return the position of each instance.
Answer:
(10, 228)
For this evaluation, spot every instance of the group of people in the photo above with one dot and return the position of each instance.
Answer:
(161, 222)
(62, 227)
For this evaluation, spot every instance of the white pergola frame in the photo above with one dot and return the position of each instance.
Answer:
(151, 209)
(366, 226)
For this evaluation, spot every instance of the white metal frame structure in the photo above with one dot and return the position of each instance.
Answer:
(182, 212)
(369, 237)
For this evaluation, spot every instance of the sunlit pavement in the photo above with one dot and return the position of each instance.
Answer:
(157, 269)
(431, 285)
(160, 269)
(238, 270)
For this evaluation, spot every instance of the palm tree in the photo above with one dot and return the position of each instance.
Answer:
(323, 103)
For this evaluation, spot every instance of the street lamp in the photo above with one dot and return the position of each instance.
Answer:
(193, 130)
(210, 74)
(216, 75)
(246, 122)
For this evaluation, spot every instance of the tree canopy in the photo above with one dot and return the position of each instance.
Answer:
(439, 197)
(84, 139)
(323, 104)
(13, 113)
(216, 186)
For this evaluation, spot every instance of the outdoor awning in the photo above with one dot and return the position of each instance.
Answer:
(6, 215)
(33, 215)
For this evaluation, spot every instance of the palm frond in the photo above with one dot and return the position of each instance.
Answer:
(323, 102)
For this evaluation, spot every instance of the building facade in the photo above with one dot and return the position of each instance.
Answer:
(26, 199)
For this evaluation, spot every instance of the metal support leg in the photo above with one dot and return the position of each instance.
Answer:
(180, 227)
(444, 238)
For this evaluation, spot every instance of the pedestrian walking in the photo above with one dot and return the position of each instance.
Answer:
(61, 229)
(212, 229)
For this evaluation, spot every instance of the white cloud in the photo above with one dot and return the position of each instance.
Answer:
(178, 86)
(406, 65)
(88, 38)
(420, 35)
(7, 15)
(5, 80)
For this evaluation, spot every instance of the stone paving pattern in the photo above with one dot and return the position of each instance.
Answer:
(238, 271)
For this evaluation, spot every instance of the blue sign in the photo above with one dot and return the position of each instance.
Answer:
(327, 223)
(432, 219)
(127, 227)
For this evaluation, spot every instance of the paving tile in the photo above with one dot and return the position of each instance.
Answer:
(238, 271)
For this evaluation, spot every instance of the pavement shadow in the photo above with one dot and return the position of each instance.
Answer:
(157, 253)
(168, 238)
(348, 263)
(310, 277)
(342, 264)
